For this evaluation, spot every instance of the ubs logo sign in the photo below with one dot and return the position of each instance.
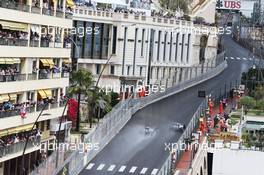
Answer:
(227, 4)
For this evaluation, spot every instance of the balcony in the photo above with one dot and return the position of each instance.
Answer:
(14, 42)
(16, 111)
(14, 148)
(10, 78)
(14, 6)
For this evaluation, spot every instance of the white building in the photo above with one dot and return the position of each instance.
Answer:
(152, 49)
(33, 67)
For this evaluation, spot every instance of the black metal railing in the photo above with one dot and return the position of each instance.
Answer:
(14, 6)
(48, 12)
(41, 106)
(18, 147)
(35, 9)
(13, 42)
(15, 77)
(34, 43)
(15, 112)
(59, 13)
(44, 76)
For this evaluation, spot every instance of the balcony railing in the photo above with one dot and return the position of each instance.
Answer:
(59, 13)
(35, 9)
(44, 76)
(68, 15)
(41, 106)
(34, 43)
(15, 112)
(14, 6)
(54, 105)
(10, 78)
(13, 42)
(65, 74)
(18, 147)
(48, 12)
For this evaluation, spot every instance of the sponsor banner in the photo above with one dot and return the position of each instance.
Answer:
(228, 4)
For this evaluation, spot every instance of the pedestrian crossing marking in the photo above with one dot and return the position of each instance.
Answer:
(244, 59)
(111, 168)
(100, 167)
(250, 59)
(154, 172)
(133, 169)
(90, 166)
(232, 58)
(238, 58)
(122, 169)
(143, 171)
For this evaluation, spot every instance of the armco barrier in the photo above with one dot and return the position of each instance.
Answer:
(113, 122)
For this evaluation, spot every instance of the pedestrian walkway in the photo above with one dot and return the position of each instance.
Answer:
(122, 169)
(240, 58)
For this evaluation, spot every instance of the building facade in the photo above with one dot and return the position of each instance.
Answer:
(34, 69)
(139, 49)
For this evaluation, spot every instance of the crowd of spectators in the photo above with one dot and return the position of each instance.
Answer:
(8, 74)
(9, 106)
(10, 140)
(10, 37)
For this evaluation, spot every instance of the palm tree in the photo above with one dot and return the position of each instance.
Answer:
(82, 82)
(98, 101)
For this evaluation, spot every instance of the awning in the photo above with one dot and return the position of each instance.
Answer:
(50, 61)
(42, 94)
(70, 3)
(48, 93)
(66, 61)
(4, 98)
(12, 97)
(16, 61)
(44, 62)
(15, 130)
(45, 93)
(14, 26)
(10, 61)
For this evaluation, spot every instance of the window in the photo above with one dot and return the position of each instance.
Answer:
(158, 53)
(176, 47)
(165, 44)
(42, 126)
(142, 43)
(48, 125)
(164, 72)
(98, 69)
(157, 73)
(112, 70)
(114, 40)
(135, 51)
(128, 70)
(171, 45)
(188, 47)
(182, 49)
(140, 70)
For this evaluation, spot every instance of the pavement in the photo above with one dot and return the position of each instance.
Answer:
(133, 152)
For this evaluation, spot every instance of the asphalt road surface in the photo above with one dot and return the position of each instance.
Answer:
(133, 152)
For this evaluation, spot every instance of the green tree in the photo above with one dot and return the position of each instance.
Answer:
(259, 93)
(174, 4)
(82, 82)
(248, 102)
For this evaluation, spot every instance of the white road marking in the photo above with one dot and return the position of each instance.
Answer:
(232, 58)
(226, 58)
(238, 58)
(122, 169)
(244, 59)
(154, 172)
(90, 166)
(143, 171)
(250, 59)
(133, 169)
(111, 168)
(101, 166)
